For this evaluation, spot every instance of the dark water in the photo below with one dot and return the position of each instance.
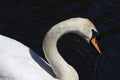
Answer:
(28, 21)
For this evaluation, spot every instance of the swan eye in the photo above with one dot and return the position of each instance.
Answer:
(94, 33)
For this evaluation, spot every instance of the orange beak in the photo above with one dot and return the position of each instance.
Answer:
(95, 44)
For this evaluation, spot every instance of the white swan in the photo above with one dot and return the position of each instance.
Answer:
(18, 62)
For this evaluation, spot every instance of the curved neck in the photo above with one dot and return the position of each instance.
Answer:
(60, 67)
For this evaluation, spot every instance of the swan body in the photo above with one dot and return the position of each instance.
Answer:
(16, 62)
(19, 62)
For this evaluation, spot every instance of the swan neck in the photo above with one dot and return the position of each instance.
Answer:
(60, 67)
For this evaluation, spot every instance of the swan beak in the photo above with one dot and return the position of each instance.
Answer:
(95, 44)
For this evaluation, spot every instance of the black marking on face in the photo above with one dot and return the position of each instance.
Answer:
(94, 34)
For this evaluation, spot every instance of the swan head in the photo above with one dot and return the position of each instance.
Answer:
(88, 31)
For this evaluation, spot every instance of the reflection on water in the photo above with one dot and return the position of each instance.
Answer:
(28, 21)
